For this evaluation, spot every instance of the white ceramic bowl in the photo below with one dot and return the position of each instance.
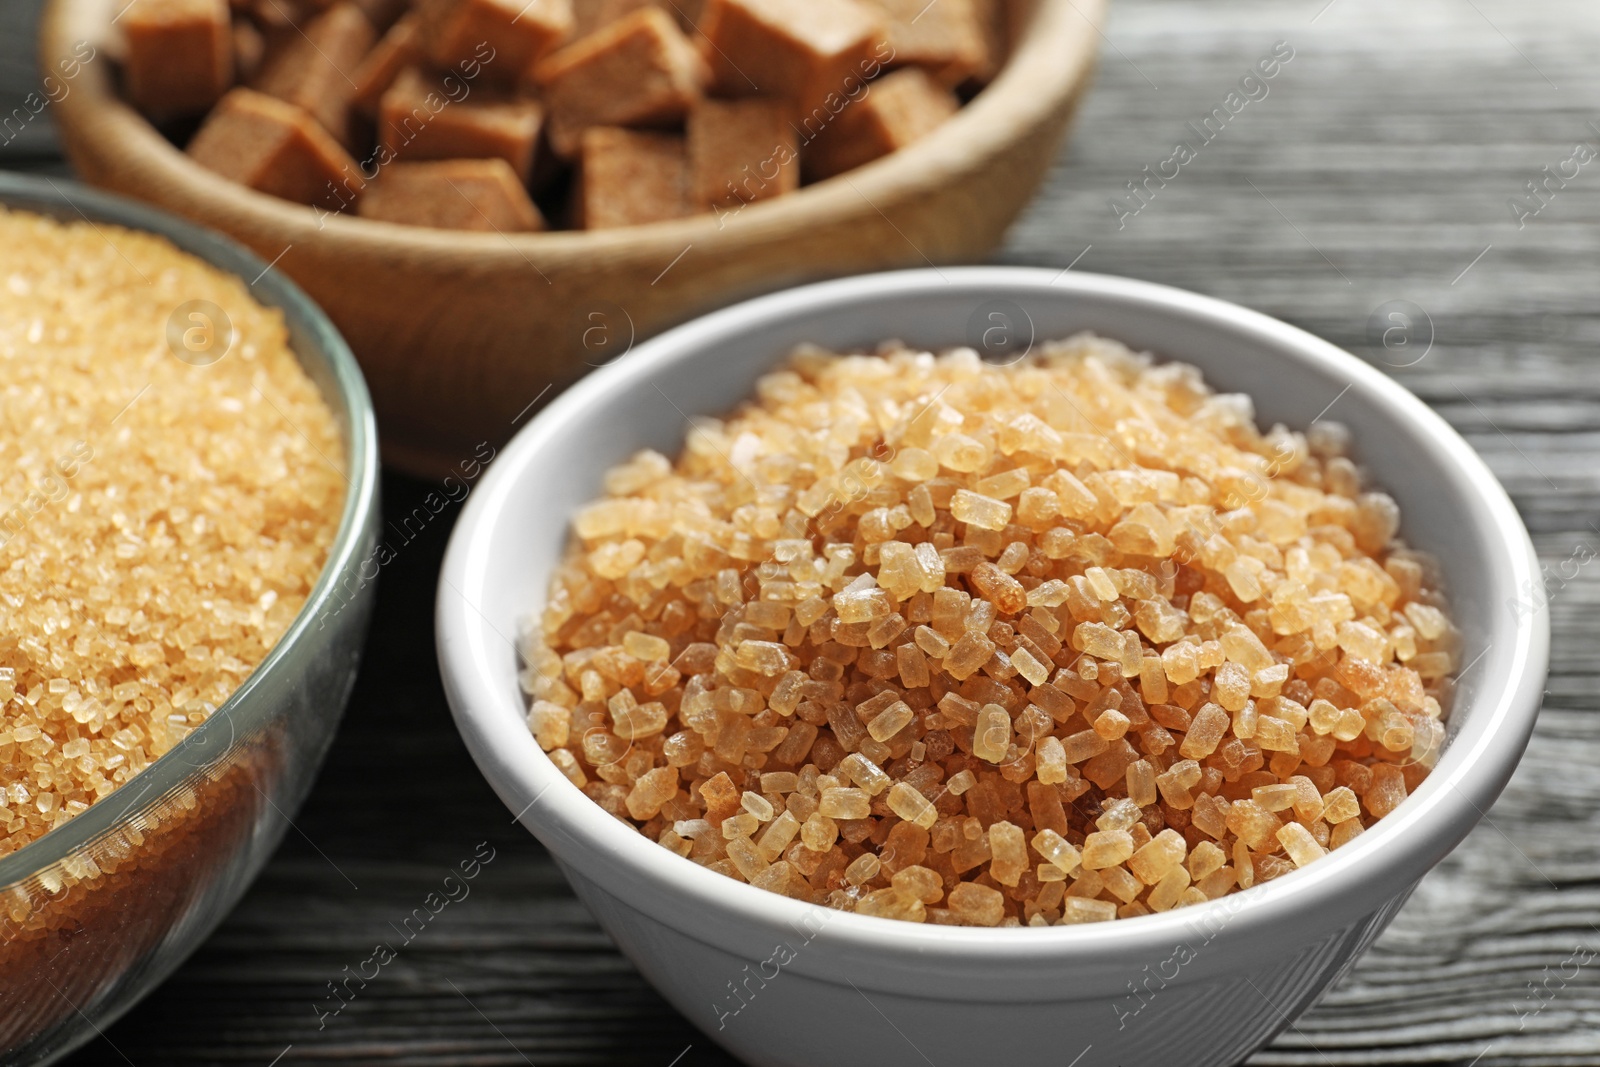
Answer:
(786, 984)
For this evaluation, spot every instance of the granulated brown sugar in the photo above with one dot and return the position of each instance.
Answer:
(163, 512)
(1055, 642)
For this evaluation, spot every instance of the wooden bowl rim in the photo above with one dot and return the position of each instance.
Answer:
(1054, 55)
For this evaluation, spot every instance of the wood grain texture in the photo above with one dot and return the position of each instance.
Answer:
(460, 331)
(1382, 161)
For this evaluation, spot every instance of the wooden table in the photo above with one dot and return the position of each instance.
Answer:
(1378, 168)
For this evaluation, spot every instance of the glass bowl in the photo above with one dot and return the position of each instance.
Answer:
(96, 913)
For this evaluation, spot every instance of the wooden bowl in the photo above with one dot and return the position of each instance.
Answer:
(460, 334)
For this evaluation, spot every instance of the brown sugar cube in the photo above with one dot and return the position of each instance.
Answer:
(382, 13)
(741, 151)
(422, 118)
(179, 54)
(590, 15)
(276, 148)
(277, 14)
(279, 22)
(805, 50)
(274, 16)
(640, 70)
(627, 177)
(948, 38)
(313, 69)
(396, 50)
(454, 194)
(897, 109)
(992, 20)
(504, 36)
(689, 12)
(248, 49)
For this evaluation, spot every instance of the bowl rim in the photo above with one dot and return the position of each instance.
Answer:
(1400, 847)
(1029, 86)
(351, 405)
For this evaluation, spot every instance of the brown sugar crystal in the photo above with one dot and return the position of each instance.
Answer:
(504, 36)
(628, 177)
(453, 194)
(424, 117)
(161, 523)
(897, 110)
(315, 68)
(805, 50)
(638, 71)
(179, 54)
(948, 38)
(274, 147)
(915, 636)
(741, 151)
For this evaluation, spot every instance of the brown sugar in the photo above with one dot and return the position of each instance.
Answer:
(590, 15)
(383, 14)
(399, 48)
(1062, 641)
(688, 12)
(275, 147)
(804, 50)
(278, 18)
(896, 110)
(637, 71)
(628, 177)
(421, 117)
(741, 151)
(249, 49)
(315, 68)
(179, 54)
(164, 520)
(768, 94)
(506, 36)
(948, 38)
(995, 27)
(452, 194)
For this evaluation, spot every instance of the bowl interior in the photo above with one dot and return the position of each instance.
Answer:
(517, 524)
